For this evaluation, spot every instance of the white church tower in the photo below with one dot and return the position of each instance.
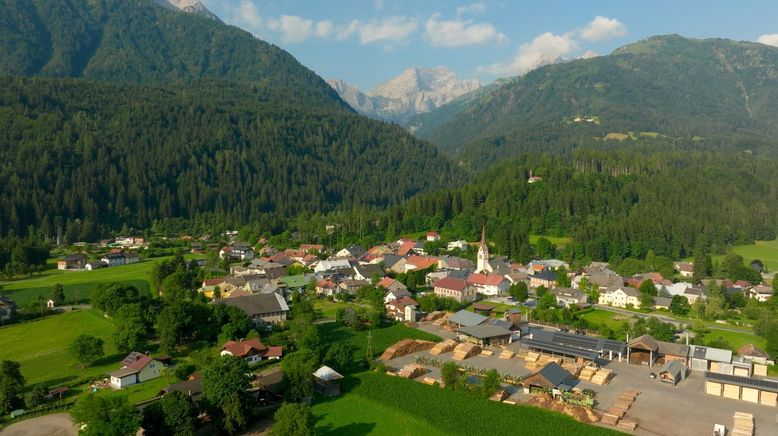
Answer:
(483, 266)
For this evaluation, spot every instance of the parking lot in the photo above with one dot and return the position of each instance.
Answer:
(660, 409)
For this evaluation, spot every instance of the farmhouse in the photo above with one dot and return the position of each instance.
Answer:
(261, 308)
(76, 261)
(251, 350)
(457, 289)
(136, 368)
(621, 296)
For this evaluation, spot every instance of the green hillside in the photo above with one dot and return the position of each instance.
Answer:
(710, 94)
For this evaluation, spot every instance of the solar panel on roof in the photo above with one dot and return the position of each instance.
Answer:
(769, 385)
(559, 349)
(699, 352)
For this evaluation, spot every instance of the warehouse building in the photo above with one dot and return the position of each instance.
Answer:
(752, 390)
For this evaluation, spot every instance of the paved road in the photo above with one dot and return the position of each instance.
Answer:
(664, 318)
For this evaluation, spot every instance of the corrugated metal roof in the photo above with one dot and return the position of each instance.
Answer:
(485, 331)
(467, 318)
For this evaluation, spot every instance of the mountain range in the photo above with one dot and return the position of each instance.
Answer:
(416, 90)
(190, 6)
(701, 93)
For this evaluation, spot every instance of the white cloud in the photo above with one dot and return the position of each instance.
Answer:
(388, 31)
(602, 28)
(378, 4)
(769, 39)
(324, 29)
(248, 13)
(293, 29)
(458, 33)
(475, 8)
(544, 49)
(588, 54)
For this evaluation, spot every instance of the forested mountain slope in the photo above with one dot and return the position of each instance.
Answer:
(141, 41)
(140, 113)
(711, 93)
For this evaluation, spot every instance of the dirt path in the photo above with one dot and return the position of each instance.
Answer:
(58, 424)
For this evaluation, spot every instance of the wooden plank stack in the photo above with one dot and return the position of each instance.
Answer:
(572, 368)
(602, 376)
(506, 354)
(744, 424)
(404, 347)
(615, 415)
(486, 352)
(587, 373)
(412, 371)
(627, 424)
(465, 350)
(443, 347)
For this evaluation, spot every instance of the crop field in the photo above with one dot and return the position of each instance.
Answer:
(41, 347)
(382, 338)
(422, 407)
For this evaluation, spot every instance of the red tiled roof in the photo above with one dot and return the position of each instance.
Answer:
(309, 247)
(422, 262)
(538, 267)
(406, 247)
(451, 283)
(244, 348)
(136, 361)
(432, 233)
(213, 282)
(485, 279)
(274, 352)
(386, 282)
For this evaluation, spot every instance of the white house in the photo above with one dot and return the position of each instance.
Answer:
(620, 297)
(760, 293)
(136, 368)
(459, 245)
(489, 284)
(114, 259)
(433, 236)
(251, 350)
(331, 265)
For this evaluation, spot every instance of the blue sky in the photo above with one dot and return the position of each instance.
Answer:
(368, 41)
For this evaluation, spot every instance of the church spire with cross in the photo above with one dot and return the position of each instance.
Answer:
(483, 266)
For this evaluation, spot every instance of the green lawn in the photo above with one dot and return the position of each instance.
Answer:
(142, 391)
(499, 308)
(337, 417)
(766, 251)
(600, 316)
(382, 338)
(736, 339)
(41, 347)
(559, 241)
(327, 309)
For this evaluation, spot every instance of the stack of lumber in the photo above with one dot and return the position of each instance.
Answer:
(430, 381)
(744, 424)
(443, 347)
(572, 368)
(465, 350)
(404, 347)
(532, 357)
(441, 319)
(500, 395)
(610, 419)
(485, 352)
(587, 373)
(602, 376)
(412, 370)
(627, 424)
(506, 354)
(557, 360)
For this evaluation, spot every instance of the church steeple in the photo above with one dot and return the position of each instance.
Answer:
(483, 266)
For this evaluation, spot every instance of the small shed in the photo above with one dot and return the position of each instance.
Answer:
(327, 381)
(549, 377)
(485, 309)
(673, 372)
(642, 350)
(486, 334)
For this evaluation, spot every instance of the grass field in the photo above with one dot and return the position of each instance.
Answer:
(559, 241)
(382, 338)
(766, 251)
(736, 339)
(499, 308)
(396, 406)
(328, 309)
(41, 347)
(599, 316)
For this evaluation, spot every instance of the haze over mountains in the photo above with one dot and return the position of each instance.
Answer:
(416, 90)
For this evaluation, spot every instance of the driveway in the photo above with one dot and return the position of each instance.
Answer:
(58, 424)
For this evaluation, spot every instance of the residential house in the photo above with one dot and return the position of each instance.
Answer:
(420, 263)
(600, 278)
(125, 241)
(545, 278)
(621, 296)
(551, 264)
(570, 297)
(458, 289)
(433, 236)
(331, 265)
(7, 308)
(433, 276)
(489, 284)
(237, 252)
(455, 263)
(402, 309)
(312, 248)
(261, 308)
(352, 286)
(394, 289)
(367, 272)
(394, 263)
(251, 350)
(685, 269)
(76, 261)
(458, 245)
(406, 247)
(695, 293)
(353, 252)
(297, 283)
(91, 266)
(328, 288)
(131, 257)
(760, 293)
(751, 352)
(114, 259)
(662, 303)
(136, 368)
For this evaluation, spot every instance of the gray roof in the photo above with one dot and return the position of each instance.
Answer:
(485, 331)
(369, 270)
(467, 318)
(674, 367)
(390, 260)
(762, 384)
(327, 374)
(546, 275)
(123, 372)
(555, 374)
(673, 349)
(558, 349)
(711, 354)
(257, 304)
(192, 388)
